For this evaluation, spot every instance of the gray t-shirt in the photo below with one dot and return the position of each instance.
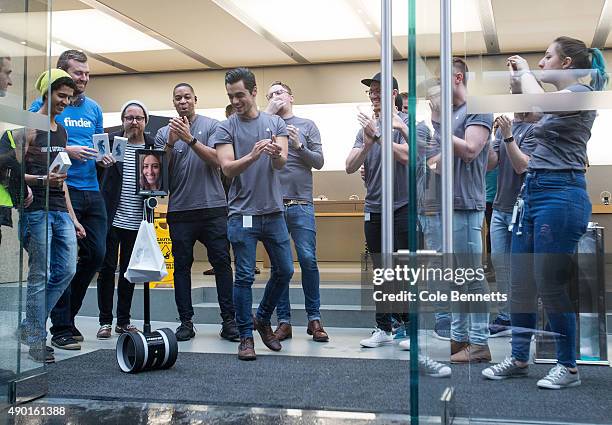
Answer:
(296, 176)
(561, 138)
(373, 170)
(194, 184)
(257, 190)
(428, 181)
(468, 178)
(508, 182)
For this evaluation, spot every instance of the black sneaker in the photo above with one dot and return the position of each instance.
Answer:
(500, 327)
(40, 355)
(76, 334)
(185, 331)
(229, 331)
(65, 343)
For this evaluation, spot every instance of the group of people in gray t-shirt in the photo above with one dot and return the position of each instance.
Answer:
(269, 157)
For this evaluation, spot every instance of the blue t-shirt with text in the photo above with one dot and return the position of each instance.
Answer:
(81, 123)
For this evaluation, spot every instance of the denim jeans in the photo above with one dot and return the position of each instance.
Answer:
(432, 234)
(555, 216)
(50, 241)
(472, 327)
(501, 244)
(119, 243)
(212, 233)
(373, 235)
(271, 230)
(90, 211)
(301, 225)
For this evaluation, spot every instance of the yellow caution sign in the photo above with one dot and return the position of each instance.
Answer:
(165, 244)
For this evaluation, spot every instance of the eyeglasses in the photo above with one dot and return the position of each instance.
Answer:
(373, 92)
(275, 93)
(130, 118)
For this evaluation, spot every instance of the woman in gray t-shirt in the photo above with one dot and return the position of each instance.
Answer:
(554, 209)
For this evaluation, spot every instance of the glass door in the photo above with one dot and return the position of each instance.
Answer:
(24, 56)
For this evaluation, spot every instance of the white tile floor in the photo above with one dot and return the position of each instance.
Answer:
(344, 342)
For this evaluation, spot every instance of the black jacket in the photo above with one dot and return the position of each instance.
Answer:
(111, 179)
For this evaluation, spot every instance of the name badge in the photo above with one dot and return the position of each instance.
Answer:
(247, 221)
(366, 216)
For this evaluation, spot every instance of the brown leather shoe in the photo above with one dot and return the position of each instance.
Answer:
(457, 346)
(283, 331)
(246, 349)
(472, 354)
(316, 330)
(267, 336)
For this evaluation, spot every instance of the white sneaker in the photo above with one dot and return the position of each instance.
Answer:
(404, 345)
(430, 367)
(559, 377)
(378, 338)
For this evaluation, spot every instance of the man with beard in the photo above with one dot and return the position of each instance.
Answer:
(82, 118)
(197, 209)
(124, 211)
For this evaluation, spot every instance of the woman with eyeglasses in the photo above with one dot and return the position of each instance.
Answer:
(553, 209)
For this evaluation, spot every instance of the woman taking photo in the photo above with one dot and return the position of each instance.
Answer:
(554, 210)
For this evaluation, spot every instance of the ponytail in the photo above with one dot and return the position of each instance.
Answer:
(599, 77)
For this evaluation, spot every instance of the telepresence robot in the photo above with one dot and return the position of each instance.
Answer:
(146, 350)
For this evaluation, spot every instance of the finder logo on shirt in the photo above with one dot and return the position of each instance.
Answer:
(69, 122)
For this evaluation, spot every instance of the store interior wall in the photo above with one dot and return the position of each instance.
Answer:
(311, 84)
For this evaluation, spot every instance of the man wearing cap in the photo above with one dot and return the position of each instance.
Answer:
(367, 150)
(124, 212)
(304, 154)
(197, 209)
(82, 118)
(49, 227)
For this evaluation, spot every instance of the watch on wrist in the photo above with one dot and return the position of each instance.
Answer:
(509, 139)
(300, 147)
(40, 180)
(193, 142)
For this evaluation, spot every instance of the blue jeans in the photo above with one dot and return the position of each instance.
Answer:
(555, 216)
(501, 244)
(467, 243)
(301, 225)
(50, 241)
(271, 230)
(432, 233)
(90, 211)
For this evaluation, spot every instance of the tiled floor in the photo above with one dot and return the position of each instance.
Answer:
(344, 342)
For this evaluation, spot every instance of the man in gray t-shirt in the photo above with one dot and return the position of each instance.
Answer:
(252, 149)
(197, 209)
(471, 132)
(367, 151)
(304, 154)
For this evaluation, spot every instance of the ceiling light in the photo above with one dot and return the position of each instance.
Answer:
(299, 20)
(464, 16)
(82, 28)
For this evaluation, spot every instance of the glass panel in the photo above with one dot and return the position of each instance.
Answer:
(512, 67)
(23, 57)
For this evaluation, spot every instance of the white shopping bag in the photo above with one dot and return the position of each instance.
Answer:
(147, 261)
